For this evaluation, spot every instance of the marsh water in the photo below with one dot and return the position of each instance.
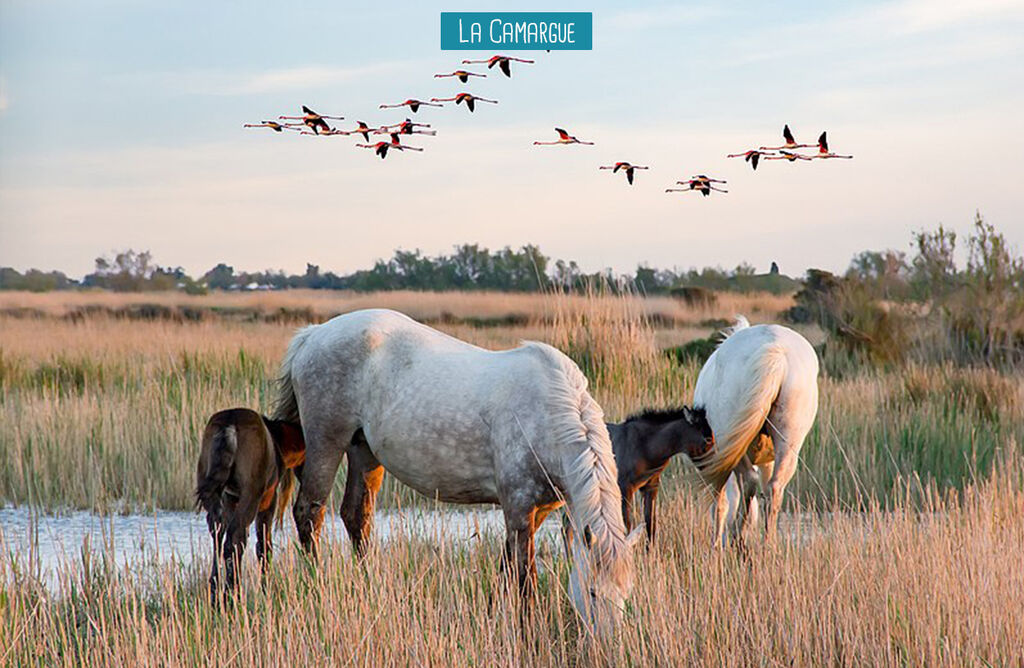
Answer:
(45, 544)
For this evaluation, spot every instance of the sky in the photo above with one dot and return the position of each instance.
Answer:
(121, 127)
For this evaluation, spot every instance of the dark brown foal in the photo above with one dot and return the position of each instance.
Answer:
(243, 460)
(643, 446)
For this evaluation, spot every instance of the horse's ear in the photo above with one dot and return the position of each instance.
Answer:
(635, 537)
(588, 536)
(688, 414)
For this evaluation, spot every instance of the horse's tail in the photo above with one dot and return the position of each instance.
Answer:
(284, 494)
(223, 447)
(286, 405)
(745, 416)
(741, 323)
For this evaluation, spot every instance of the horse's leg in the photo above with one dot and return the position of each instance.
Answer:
(365, 475)
(264, 530)
(519, 556)
(747, 483)
(627, 508)
(324, 449)
(787, 432)
(720, 512)
(236, 535)
(650, 497)
(216, 526)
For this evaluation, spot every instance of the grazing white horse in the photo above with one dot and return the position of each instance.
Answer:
(759, 390)
(465, 425)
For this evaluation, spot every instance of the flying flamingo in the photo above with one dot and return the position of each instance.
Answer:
(699, 183)
(790, 142)
(406, 127)
(500, 61)
(468, 98)
(563, 138)
(313, 120)
(273, 125)
(412, 104)
(624, 166)
(381, 147)
(788, 155)
(462, 75)
(751, 156)
(823, 151)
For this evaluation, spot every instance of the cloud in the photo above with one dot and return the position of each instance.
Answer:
(222, 82)
(643, 19)
(928, 15)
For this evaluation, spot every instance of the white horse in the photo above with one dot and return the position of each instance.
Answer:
(464, 425)
(760, 393)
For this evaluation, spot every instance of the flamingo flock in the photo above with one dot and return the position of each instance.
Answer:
(313, 123)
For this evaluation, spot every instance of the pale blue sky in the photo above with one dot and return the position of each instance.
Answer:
(120, 126)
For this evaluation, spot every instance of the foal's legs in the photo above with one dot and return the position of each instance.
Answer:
(216, 526)
(264, 529)
(235, 536)
(720, 512)
(365, 475)
(650, 496)
(746, 511)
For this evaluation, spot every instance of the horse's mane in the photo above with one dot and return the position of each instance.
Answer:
(591, 475)
(665, 415)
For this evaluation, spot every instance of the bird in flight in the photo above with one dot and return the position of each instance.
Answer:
(625, 166)
(406, 127)
(563, 138)
(700, 183)
(823, 151)
(381, 148)
(313, 120)
(790, 142)
(788, 155)
(462, 75)
(273, 125)
(502, 62)
(414, 105)
(752, 156)
(468, 98)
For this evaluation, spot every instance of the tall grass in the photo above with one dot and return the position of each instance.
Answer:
(100, 413)
(943, 588)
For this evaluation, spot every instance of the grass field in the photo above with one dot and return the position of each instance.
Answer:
(905, 522)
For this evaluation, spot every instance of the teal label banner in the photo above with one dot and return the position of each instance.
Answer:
(517, 31)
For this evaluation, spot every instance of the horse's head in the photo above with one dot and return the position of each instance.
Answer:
(700, 438)
(602, 578)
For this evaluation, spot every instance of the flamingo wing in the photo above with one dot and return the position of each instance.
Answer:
(414, 105)
(506, 67)
(787, 135)
(562, 134)
(823, 143)
(754, 158)
(629, 175)
(309, 111)
(470, 102)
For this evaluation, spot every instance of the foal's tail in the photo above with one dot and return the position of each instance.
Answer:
(223, 447)
(745, 416)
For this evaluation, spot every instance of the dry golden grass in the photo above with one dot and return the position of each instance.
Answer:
(431, 306)
(943, 587)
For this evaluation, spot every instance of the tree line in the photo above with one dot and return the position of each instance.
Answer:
(468, 267)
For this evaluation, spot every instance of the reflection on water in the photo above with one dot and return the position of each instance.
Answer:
(54, 541)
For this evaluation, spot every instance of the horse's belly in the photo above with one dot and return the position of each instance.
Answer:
(438, 465)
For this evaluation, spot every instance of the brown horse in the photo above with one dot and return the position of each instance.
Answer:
(244, 457)
(643, 446)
